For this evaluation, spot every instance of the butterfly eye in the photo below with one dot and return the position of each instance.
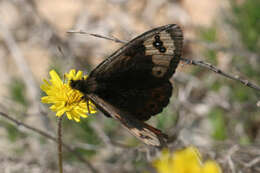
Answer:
(72, 83)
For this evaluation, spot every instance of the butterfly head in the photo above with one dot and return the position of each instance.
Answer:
(84, 86)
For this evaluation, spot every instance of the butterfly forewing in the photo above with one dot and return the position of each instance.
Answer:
(159, 47)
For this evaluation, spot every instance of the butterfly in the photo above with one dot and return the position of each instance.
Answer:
(133, 83)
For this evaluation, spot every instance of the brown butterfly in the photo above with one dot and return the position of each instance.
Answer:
(133, 83)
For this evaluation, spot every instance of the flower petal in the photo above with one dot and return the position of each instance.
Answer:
(79, 75)
(55, 77)
(211, 167)
(184, 161)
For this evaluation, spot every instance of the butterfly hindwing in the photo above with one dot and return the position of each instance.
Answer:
(146, 133)
(140, 103)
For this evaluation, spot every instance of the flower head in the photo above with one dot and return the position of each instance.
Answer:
(64, 98)
(184, 161)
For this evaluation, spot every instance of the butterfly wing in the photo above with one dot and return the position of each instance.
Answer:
(140, 103)
(158, 50)
(133, 83)
(144, 132)
(136, 77)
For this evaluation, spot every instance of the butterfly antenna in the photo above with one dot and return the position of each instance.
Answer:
(112, 38)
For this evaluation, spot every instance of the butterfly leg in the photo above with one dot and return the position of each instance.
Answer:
(85, 98)
(88, 106)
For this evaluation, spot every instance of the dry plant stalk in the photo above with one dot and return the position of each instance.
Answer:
(186, 60)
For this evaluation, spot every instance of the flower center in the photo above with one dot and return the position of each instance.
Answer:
(73, 97)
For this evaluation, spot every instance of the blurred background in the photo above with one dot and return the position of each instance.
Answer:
(219, 116)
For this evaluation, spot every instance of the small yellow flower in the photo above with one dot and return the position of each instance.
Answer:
(184, 161)
(64, 98)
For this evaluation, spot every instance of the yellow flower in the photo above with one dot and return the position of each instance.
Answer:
(64, 98)
(184, 161)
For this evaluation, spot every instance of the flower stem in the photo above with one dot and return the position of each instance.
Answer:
(60, 143)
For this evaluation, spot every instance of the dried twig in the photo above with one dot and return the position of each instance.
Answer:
(32, 87)
(230, 152)
(253, 162)
(218, 47)
(19, 59)
(53, 39)
(98, 129)
(188, 61)
(110, 143)
(59, 140)
(70, 149)
(220, 72)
